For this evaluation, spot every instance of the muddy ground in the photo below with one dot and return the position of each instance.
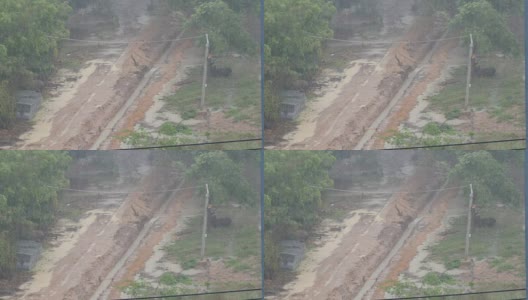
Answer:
(390, 73)
(404, 243)
(102, 218)
(105, 90)
(345, 264)
(124, 221)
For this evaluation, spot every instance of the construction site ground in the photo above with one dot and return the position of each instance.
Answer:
(388, 245)
(118, 80)
(123, 235)
(396, 79)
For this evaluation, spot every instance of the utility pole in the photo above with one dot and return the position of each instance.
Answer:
(468, 84)
(204, 83)
(470, 211)
(204, 232)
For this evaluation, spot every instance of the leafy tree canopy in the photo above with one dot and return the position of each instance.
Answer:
(487, 25)
(295, 32)
(222, 21)
(293, 184)
(30, 182)
(29, 32)
(488, 176)
(224, 177)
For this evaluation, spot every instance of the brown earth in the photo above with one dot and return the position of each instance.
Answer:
(402, 110)
(171, 217)
(489, 124)
(79, 123)
(433, 219)
(218, 121)
(342, 124)
(342, 274)
(137, 113)
(104, 243)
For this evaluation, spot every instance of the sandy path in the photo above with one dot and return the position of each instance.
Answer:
(51, 257)
(147, 256)
(427, 74)
(346, 114)
(76, 117)
(96, 248)
(342, 266)
(431, 221)
(309, 271)
(166, 68)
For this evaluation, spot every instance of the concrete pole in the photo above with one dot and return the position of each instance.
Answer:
(468, 84)
(204, 82)
(468, 232)
(204, 232)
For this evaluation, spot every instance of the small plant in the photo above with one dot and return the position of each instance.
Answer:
(189, 264)
(453, 264)
(189, 114)
(171, 129)
(453, 114)
(434, 278)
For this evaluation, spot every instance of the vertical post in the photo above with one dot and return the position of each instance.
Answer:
(204, 232)
(468, 232)
(204, 82)
(468, 83)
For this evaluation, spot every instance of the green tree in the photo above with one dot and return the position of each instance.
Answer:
(293, 184)
(488, 176)
(294, 181)
(224, 177)
(295, 32)
(30, 182)
(487, 25)
(29, 39)
(29, 33)
(293, 44)
(224, 27)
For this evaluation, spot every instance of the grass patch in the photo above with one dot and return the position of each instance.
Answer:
(433, 134)
(497, 94)
(239, 94)
(143, 138)
(218, 136)
(237, 265)
(493, 136)
(237, 114)
(408, 288)
(169, 278)
(172, 129)
(504, 240)
(434, 278)
(501, 265)
(238, 244)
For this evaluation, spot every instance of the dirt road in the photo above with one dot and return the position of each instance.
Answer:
(169, 216)
(375, 91)
(342, 266)
(89, 108)
(82, 263)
